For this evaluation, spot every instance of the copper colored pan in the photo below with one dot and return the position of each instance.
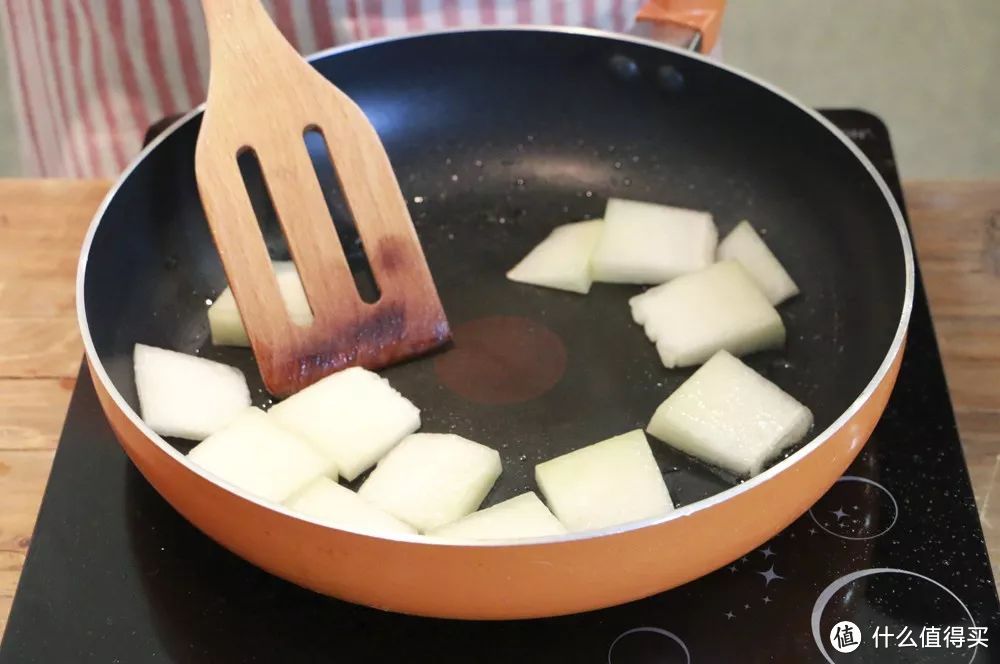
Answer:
(496, 137)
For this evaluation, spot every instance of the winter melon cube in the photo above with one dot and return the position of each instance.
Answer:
(353, 416)
(326, 501)
(186, 396)
(562, 260)
(431, 479)
(258, 456)
(745, 246)
(521, 516)
(730, 416)
(225, 323)
(605, 484)
(719, 308)
(645, 243)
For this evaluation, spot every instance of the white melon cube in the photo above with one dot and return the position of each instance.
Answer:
(353, 416)
(225, 323)
(562, 260)
(745, 246)
(431, 479)
(186, 396)
(694, 316)
(328, 502)
(728, 415)
(521, 516)
(605, 484)
(644, 243)
(258, 456)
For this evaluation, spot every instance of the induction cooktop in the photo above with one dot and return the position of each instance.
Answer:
(889, 566)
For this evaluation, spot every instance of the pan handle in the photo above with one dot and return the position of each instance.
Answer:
(693, 24)
(157, 127)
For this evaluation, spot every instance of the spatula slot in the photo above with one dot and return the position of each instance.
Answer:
(267, 216)
(340, 212)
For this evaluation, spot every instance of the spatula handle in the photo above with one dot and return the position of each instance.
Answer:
(242, 35)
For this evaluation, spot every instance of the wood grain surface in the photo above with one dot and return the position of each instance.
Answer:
(42, 223)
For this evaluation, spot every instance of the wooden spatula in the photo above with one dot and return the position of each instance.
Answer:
(263, 96)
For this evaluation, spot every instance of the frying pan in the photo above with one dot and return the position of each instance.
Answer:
(497, 136)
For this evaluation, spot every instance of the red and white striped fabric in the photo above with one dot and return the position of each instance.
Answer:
(89, 76)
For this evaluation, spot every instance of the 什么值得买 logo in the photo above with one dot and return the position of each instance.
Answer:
(845, 636)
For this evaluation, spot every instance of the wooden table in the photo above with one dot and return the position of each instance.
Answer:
(42, 223)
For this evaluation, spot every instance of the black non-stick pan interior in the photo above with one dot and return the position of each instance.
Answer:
(497, 137)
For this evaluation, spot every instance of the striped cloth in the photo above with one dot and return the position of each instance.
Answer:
(89, 76)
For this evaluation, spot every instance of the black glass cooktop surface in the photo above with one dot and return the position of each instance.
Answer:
(889, 566)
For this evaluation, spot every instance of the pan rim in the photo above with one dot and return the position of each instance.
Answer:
(817, 441)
